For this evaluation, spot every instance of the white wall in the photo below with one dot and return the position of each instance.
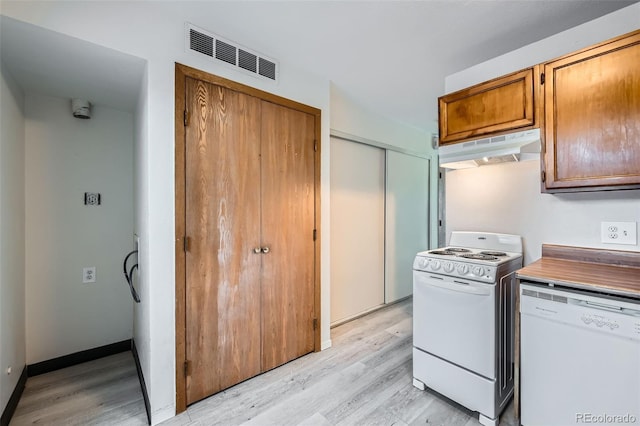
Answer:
(507, 198)
(66, 157)
(12, 294)
(142, 310)
(153, 31)
(349, 117)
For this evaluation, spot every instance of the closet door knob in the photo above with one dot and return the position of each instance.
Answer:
(265, 250)
(257, 250)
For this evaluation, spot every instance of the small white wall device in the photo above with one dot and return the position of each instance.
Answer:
(81, 108)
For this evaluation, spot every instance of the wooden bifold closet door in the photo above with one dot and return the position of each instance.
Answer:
(223, 227)
(288, 230)
(249, 190)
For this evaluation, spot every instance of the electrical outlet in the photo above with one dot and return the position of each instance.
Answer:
(89, 275)
(619, 232)
(8, 371)
(92, 199)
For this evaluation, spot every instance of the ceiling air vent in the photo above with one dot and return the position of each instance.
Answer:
(229, 53)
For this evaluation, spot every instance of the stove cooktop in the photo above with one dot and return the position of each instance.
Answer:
(462, 253)
(474, 255)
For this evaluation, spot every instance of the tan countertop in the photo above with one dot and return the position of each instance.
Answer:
(613, 271)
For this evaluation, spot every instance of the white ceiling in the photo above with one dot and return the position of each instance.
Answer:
(390, 56)
(54, 64)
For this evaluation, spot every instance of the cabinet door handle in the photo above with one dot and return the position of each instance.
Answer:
(265, 250)
(257, 250)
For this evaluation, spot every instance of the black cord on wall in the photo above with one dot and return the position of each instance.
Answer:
(129, 275)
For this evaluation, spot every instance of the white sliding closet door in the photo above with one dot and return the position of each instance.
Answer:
(407, 220)
(357, 228)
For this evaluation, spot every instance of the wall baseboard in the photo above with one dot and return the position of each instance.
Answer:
(143, 386)
(325, 345)
(12, 404)
(78, 358)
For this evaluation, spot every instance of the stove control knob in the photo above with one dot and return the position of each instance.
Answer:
(477, 271)
(462, 268)
(448, 267)
(435, 265)
(422, 263)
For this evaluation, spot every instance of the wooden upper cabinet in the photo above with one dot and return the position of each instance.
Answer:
(592, 118)
(496, 106)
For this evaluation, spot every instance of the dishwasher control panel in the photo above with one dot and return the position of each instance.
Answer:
(596, 312)
(599, 321)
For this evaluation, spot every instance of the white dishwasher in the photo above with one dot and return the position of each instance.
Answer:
(580, 357)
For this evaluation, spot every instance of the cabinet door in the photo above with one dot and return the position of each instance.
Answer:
(223, 223)
(592, 116)
(288, 222)
(499, 105)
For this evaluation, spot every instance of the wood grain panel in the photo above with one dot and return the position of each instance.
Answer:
(180, 289)
(592, 255)
(502, 104)
(592, 110)
(594, 276)
(248, 90)
(317, 340)
(223, 227)
(288, 221)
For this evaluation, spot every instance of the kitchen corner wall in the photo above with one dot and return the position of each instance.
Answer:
(506, 197)
(66, 157)
(12, 293)
(350, 118)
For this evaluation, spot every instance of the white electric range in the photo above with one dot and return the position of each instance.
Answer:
(463, 319)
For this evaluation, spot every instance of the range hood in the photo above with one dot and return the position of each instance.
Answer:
(519, 146)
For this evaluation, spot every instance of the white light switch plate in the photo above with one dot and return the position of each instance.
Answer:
(619, 232)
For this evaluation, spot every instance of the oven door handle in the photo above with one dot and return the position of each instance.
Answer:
(460, 287)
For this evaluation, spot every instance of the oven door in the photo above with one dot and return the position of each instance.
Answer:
(454, 319)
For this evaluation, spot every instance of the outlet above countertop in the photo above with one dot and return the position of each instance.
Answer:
(619, 233)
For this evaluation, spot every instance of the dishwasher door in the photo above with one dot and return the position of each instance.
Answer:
(580, 358)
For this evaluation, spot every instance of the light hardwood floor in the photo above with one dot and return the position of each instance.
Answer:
(105, 391)
(364, 379)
